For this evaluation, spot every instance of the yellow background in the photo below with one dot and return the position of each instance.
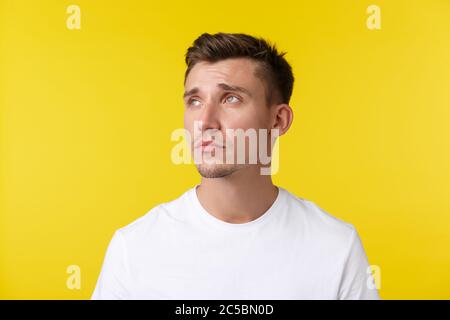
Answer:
(86, 117)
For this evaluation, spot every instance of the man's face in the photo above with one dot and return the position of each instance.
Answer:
(224, 95)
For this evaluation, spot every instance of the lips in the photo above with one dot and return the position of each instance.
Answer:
(207, 145)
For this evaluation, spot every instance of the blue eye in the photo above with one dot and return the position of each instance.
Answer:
(228, 100)
(194, 102)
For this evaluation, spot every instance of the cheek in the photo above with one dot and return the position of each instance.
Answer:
(189, 125)
(190, 116)
(188, 121)
(246, 120)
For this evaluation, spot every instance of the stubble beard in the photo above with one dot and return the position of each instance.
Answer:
(212, 171)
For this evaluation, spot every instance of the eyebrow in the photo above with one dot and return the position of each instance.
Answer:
(228, 87)
(190, 92)
(223, 86)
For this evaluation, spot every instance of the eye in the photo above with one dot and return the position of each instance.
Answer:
(194, 102)
(232, 99)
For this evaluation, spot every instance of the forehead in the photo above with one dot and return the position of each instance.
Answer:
(236, 71)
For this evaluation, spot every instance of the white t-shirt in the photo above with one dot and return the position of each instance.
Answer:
(177, 250)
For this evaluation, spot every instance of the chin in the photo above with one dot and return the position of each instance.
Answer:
(216, 171)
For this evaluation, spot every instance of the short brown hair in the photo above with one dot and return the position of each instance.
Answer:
(274, 69)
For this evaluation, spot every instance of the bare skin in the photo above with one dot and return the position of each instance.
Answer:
(233, 193)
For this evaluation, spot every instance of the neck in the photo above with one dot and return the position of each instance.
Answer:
(240, 197)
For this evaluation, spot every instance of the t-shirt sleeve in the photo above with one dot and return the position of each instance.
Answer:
(357, 282)
(114, 276)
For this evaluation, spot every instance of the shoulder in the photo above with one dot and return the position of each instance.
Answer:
(317, 224)
(150, 222)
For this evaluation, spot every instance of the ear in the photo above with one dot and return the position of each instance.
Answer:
(282, 117)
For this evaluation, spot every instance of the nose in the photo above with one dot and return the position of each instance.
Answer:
(209, 117)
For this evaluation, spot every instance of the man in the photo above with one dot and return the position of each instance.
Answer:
(235, 235)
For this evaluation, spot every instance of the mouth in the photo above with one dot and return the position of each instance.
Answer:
(207, 145)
